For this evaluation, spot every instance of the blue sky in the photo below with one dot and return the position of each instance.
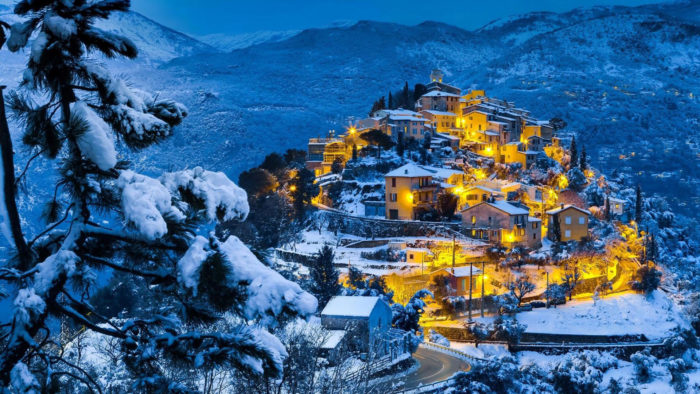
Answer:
(197, 17)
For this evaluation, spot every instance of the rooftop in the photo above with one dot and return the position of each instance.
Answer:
(352, 306)
(409, 171)
(442, 113)
(438, 93)
(564, 208)
(461, 272)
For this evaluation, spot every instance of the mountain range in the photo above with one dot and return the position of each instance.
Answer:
(626, 80)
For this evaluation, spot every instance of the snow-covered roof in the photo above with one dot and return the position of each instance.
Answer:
(442, 113)
(334, 338)
(491, 133)
(446, 136)
(613, 199)
(461, 272)
(442, 173)
(503, 206)
(533, 219)
(406, 117)
(351, 306)
(409, 170)
(509, 208)
(484, 188)
(556, 211)
(422, 250)
(438, 93)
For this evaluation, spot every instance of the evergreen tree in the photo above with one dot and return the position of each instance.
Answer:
(303, 190)
(447, 204)
(74, 113)
(377, 138)
(638, 205)
(399, 145)
(419, 90)
(652, 252)
(337, 166)
(573, 153)
(354, 152)
(607, 208)
(324, 276)
(257, 182)
(556, 228)
(583, 160)
(427, 140)
(391, 101)
(406, 98)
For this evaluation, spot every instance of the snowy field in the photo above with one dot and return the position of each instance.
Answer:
(623, 314)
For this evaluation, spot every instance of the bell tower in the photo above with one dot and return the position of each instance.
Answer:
(436, 76)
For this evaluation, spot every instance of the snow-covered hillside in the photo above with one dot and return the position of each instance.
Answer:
(227, 43)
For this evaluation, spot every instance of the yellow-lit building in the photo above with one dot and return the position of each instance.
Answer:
(323, 152)
(505, 223)
(441, 121)
(410, 191)
(573, 223)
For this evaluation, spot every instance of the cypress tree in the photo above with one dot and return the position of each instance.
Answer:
(556, 228)
(638, 205)
(573, 153)
(607, 208)
(354, 152)
(583, 162)
(324, 276)
(399, 145)
(391, 101)
(406, 98)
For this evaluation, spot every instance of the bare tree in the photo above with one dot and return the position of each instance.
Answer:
(520, 288)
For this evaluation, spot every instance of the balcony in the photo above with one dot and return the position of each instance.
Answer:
(424, 187)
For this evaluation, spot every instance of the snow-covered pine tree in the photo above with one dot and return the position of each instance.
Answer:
(573, 154)
(105, 217)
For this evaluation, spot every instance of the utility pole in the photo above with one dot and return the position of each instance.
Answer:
(471, 282)
(546, 292)
(453, 254)
(483, 275)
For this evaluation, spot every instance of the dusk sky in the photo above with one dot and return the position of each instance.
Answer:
(234, 17)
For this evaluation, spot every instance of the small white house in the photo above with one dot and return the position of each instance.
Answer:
(617, 206)
(369, 317)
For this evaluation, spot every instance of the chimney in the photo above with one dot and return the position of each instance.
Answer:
(562, 205)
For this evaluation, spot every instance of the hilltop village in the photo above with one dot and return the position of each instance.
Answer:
(449, 218)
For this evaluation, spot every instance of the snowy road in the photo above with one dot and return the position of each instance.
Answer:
(434, 367)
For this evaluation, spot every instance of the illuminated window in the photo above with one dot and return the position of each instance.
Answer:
(473, 219)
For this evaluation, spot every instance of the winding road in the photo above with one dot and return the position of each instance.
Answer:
(434, 367)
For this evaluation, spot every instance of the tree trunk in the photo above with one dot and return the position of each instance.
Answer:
(8, 168)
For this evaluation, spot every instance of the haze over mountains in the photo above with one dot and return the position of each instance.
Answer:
(625, 79)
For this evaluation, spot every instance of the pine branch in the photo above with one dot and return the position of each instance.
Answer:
(118, 267)
(80, 319)
(51, 227)
(26, 166)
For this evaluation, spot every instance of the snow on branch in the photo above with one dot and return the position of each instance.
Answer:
(223, 200)
(268, 292)
(144, 202)
(97, 142)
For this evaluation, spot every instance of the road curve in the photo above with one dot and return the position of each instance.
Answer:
(434, 367)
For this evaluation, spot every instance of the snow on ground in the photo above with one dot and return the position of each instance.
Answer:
(484, 350)
(622, 314)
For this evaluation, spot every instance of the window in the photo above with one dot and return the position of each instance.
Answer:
(567, 233)
(410, 256)
(534, 236)
(464, 283)
(567, 220)
(582, 220)
(473, 219)
(393, 182)
(534, 225)
(392, 197)
(617, 206)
